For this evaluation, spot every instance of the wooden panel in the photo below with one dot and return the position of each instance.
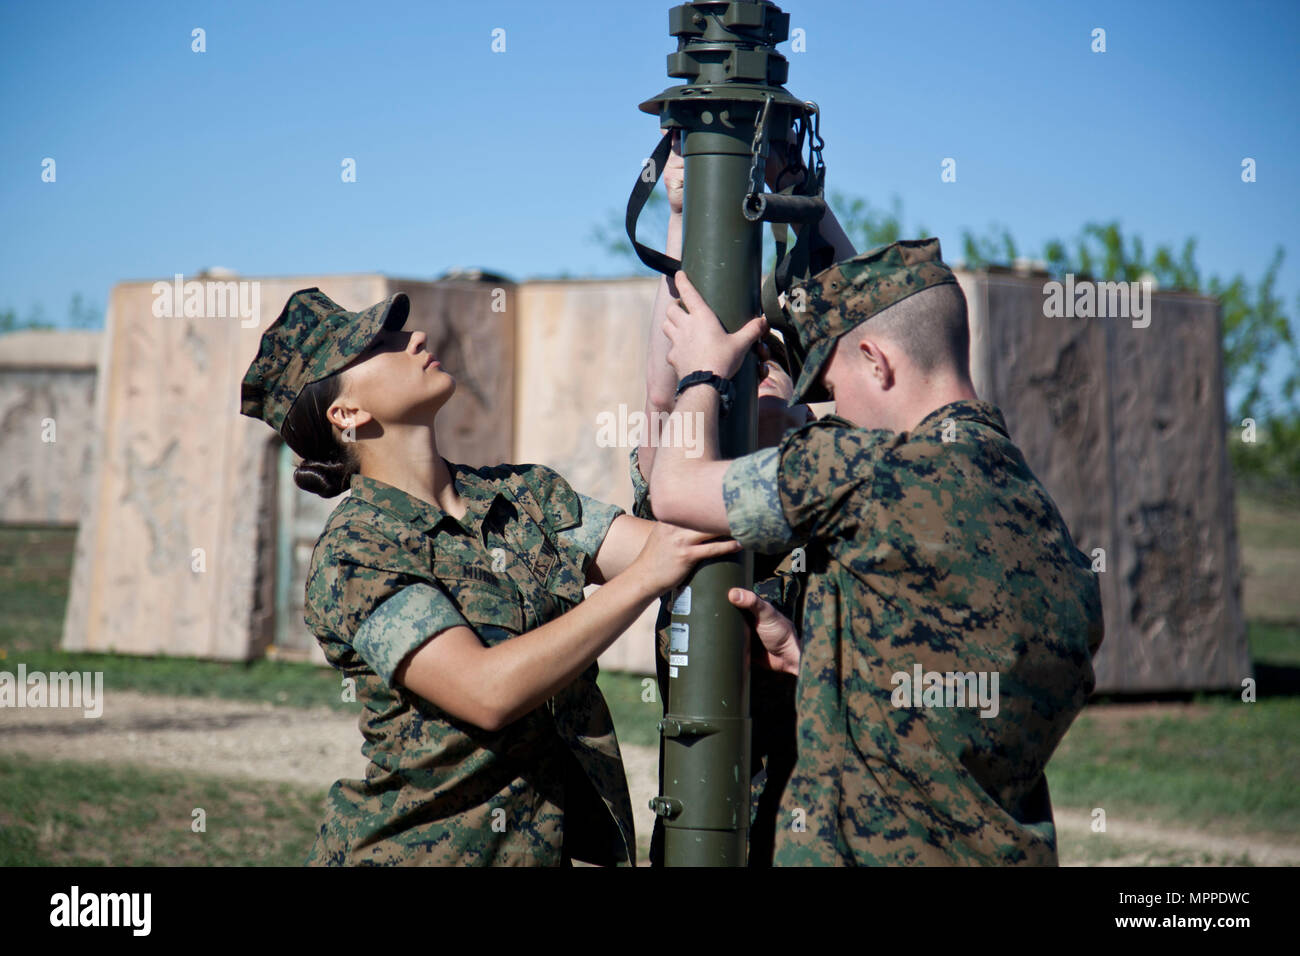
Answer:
(582, 354)
(1123, 426)
(1175, 556)
(173, 551)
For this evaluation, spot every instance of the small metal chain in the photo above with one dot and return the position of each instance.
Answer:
(815, 145)
(756, 149)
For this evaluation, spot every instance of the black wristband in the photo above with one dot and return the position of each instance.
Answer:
(726, 390)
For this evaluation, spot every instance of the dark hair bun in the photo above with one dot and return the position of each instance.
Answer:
(324, 478)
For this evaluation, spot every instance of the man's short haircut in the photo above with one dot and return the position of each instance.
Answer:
(930, 327)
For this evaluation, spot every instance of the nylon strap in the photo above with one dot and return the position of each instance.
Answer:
(636, 202)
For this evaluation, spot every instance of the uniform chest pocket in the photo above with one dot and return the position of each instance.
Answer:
(493, 608)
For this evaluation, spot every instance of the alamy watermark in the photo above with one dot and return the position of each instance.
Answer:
(75, 908)
(1101, 300)
(946, 689)
(56, 689)
(209, 299)
(674, 429)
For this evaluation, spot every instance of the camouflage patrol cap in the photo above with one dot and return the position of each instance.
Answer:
(842, 297)
(313, 337)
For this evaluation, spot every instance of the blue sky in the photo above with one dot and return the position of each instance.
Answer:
(169, 161)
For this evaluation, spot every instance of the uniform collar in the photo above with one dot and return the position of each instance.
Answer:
(967, 409)
(477, 493)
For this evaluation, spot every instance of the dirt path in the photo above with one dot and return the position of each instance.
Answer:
(227, 738)
(1138, 843)
(313, 748)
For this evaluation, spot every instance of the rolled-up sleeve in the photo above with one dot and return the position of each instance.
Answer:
(589, 533)
(640, 488)
(376, 603)
(402, 624)
(749, 492)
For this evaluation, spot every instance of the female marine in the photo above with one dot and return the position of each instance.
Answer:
(453, 597)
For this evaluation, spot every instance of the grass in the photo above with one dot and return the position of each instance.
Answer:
(35, 567)
(1274, 645)
(288, 683)
(636, 720)
(1268, 529)
(57, 813)
(1220, 764)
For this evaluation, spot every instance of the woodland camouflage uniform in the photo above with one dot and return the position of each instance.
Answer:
(936, 547)
(389, 572)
